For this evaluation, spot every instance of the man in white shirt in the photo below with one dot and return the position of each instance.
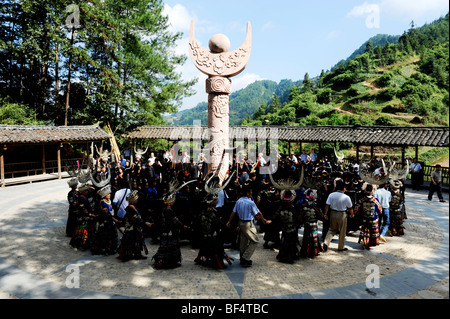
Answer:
(355, 166)
(261, 160)
(151, 159)
(120, 203)
(384, 197)
(294, 158)
(338, 203)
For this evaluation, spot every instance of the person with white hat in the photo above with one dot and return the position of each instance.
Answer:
(132, 242)
(105, 239)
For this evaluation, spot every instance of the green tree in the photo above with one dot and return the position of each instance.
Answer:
(306, 84)
(119, 54)
(369, 48)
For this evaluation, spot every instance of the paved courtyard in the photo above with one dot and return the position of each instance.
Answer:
(37, 262)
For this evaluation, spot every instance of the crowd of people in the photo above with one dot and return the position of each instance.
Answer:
(124, 203)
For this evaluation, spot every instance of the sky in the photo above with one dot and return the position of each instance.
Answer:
(291, 37)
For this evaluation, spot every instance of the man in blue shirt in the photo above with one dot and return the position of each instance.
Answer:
(304, 156)
(247, 210)
(313, 155)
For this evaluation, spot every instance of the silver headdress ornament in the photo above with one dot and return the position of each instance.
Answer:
(289, 183)
(83, 175)
(105, 191)
(73, 182)
(83, 188)
(311, 182)
(397, 175)
(104, 180)
(339, 157)
(174, 188)
(371, 177)
(216, 190)
(133, 196)
(103, 154)
(139, 152)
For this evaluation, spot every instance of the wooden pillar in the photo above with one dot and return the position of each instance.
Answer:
(2, 166)
(132, 153)
(417, 152)
(319, 153)
(58, 158)
(87, 154)
(357, 153)
(289, 148)
(403, 155)
(371, 151)
(43, 159)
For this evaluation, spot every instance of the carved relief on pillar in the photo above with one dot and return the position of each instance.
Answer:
(219, 64)
(218, 104)
(218, 84)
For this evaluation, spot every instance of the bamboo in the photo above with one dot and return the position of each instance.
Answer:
(114, 146)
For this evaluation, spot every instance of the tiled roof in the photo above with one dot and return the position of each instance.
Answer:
(363, 135)
(15, 134)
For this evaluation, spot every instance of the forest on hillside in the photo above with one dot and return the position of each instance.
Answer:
(86, 62)
(79, 62)
(389, 80)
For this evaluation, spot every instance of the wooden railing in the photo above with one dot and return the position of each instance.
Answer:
(13, 170)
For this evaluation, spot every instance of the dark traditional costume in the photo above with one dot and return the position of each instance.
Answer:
(310, 214)
(132, 243)
(211, 251)
(85, 226)
(72, 198)
(289, 217)
(370, 209)
(105, 238)
(269, 202)
(396, 227)
(169, 253)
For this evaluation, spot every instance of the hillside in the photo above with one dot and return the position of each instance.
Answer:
(403, 83)
(389, 80)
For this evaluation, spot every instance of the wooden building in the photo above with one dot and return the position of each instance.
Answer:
(29, 153)
(391, 136)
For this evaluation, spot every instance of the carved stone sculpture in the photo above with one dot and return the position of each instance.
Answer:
(219, 64)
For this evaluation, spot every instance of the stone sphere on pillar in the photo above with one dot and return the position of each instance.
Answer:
(219, 43)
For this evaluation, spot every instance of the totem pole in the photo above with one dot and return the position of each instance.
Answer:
(219, 65)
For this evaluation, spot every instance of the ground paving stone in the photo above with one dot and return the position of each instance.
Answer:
(35, 253)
